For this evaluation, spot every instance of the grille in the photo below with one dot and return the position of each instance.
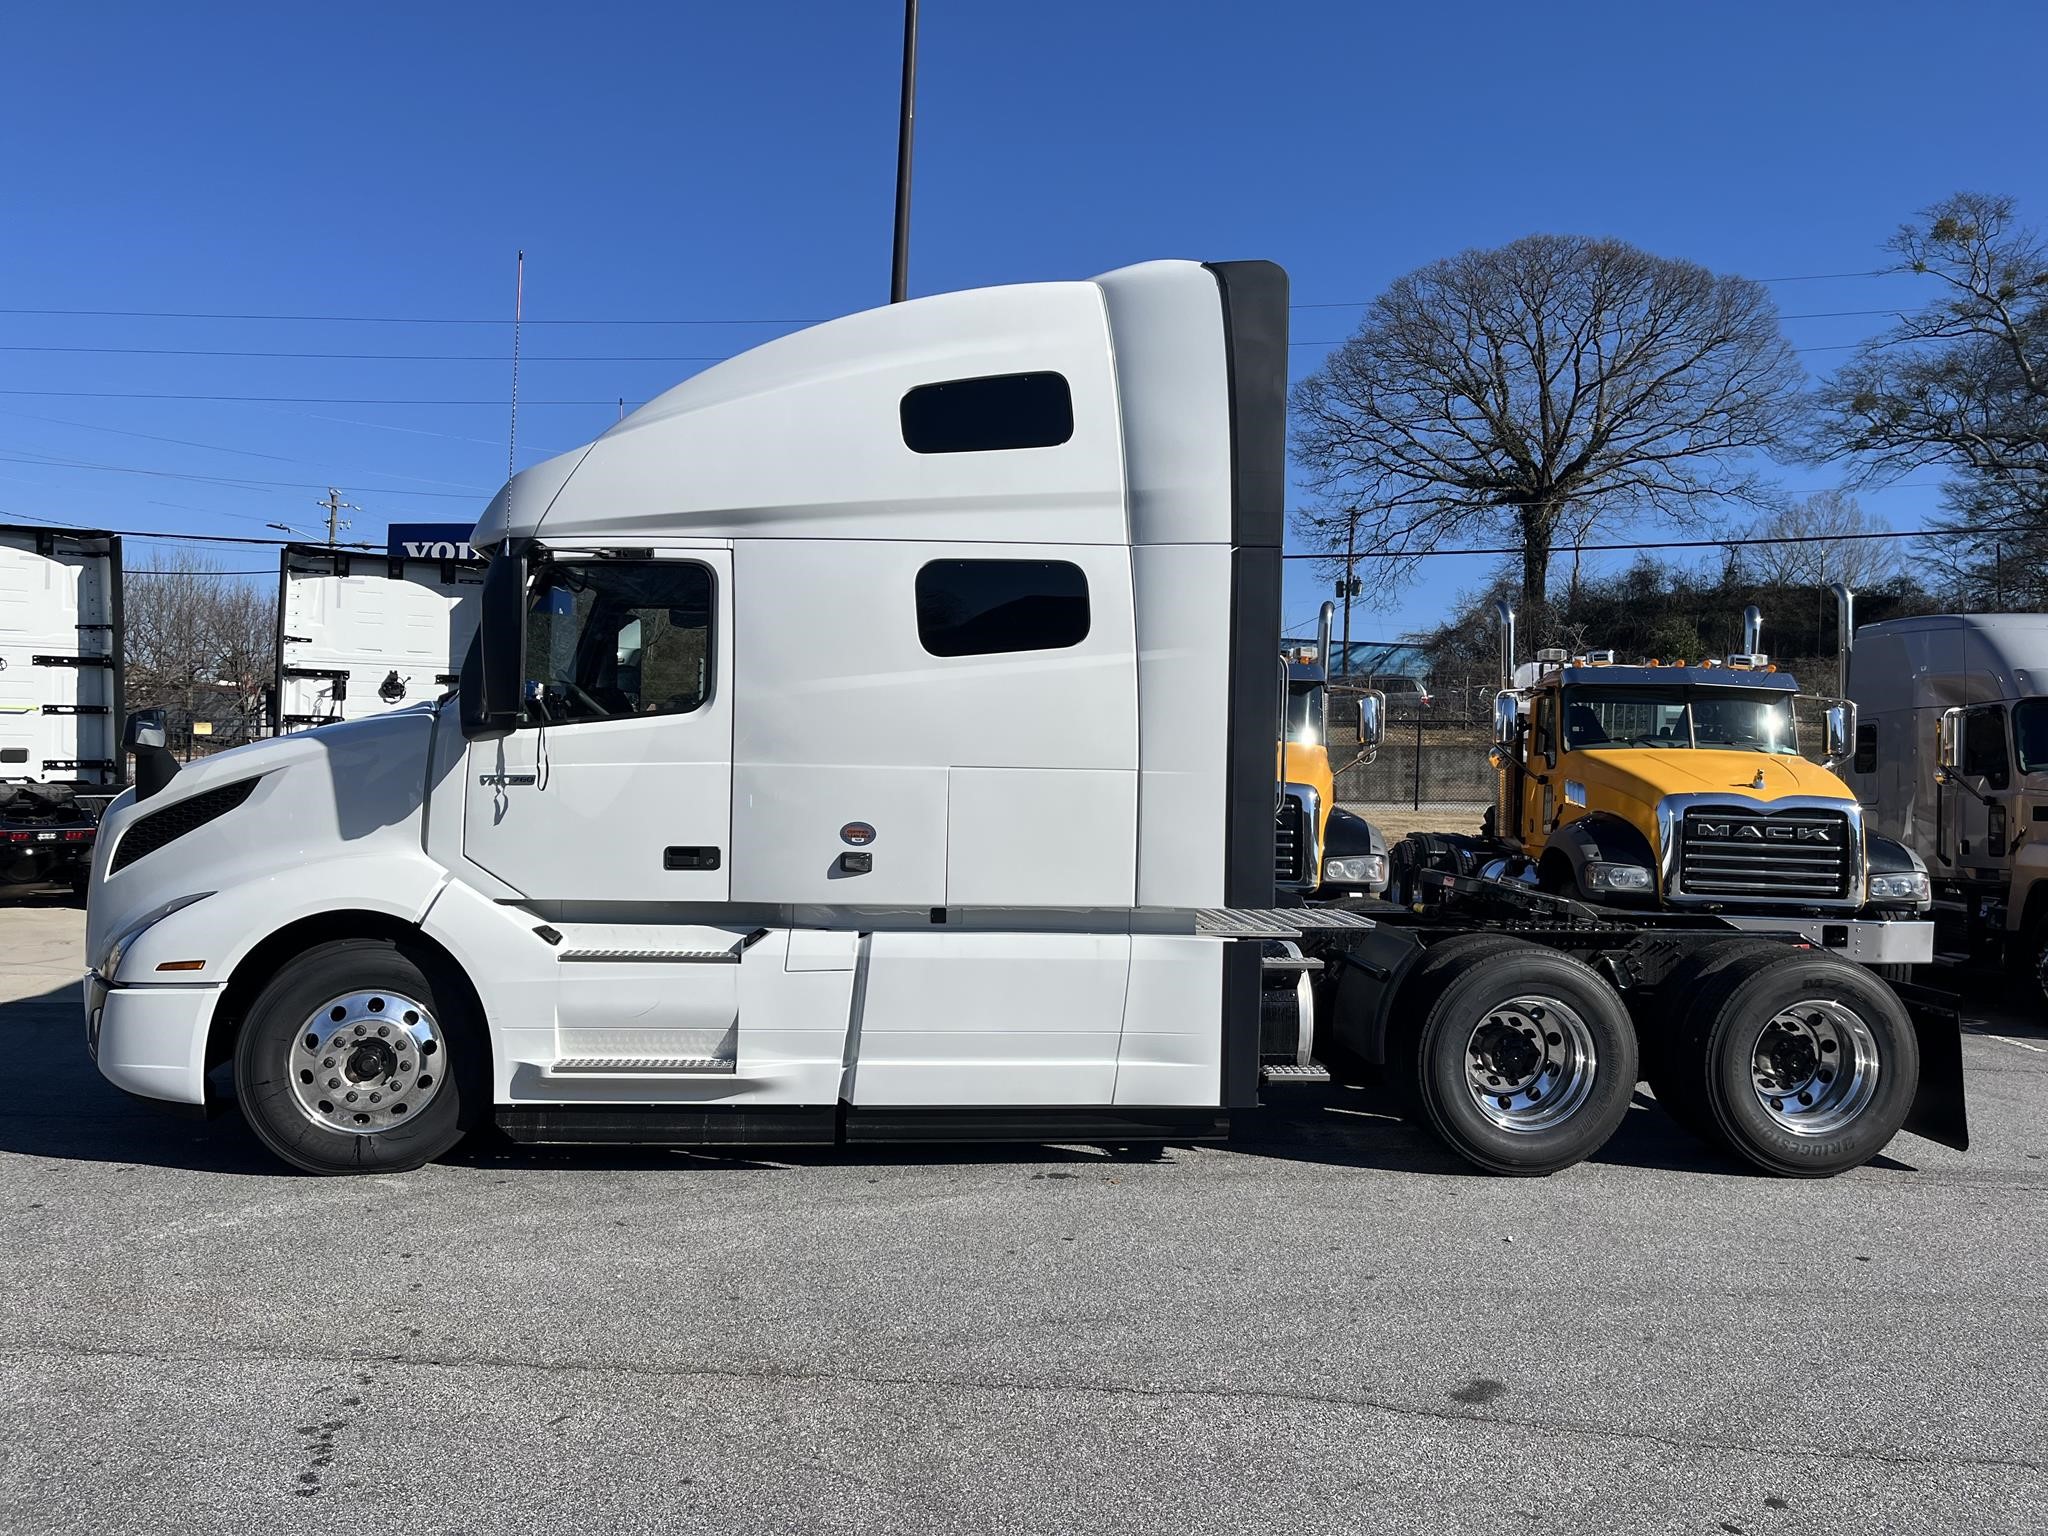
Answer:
(153, 831)
(1289, 841)
(1792, 855)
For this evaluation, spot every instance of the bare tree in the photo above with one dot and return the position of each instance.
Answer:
(201, 643)
(1833, 539)
(1964, 380)
(1559, 383)
(1962, 383)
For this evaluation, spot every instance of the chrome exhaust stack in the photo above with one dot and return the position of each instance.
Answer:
(1845, 635)
(1752, 630)
(1504, 611)
(1326, 621)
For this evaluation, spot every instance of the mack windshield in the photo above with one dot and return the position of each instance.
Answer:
(1680, 717)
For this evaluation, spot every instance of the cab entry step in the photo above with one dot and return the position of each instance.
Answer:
(638, 1066)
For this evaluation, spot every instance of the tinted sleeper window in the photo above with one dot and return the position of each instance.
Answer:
(1008, 410)
(985, 607)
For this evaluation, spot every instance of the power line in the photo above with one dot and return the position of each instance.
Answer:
(1791, 538)
(189, 314)
(109, 394)
(365, 357)
(50, 461)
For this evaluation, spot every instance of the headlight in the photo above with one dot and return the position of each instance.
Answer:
(1357, 869)
(1909, 887)
(110, 963)
(1619, 877)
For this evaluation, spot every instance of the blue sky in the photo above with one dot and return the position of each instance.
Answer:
(735, 164)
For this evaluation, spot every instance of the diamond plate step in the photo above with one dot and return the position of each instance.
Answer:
(636, 1066)
(1276, 922)
(1289, 1072)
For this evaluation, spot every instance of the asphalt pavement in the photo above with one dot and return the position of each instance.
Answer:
(1328, 1325)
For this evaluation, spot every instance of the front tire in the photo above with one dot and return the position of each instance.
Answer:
(361, 1057)
(1524, 1061)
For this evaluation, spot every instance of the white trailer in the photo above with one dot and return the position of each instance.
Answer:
(60, 699)
(873, 737)
(1952, 759)
(360, 633)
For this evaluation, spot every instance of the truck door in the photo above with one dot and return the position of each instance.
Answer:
(617, 785)
(1981, 828)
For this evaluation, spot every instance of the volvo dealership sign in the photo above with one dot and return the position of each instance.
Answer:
(431, 541)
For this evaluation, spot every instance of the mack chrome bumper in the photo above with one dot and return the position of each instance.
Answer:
(1867, 941)
(150, 1041)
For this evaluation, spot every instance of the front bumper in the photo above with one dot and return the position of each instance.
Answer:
(150, 1041)
(1867, 941)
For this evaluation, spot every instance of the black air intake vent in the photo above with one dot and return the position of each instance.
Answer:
(156, 829)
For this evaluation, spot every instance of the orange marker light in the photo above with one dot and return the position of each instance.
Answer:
(182, 965)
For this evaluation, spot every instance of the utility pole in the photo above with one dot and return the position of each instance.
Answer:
(1348, 587)
(335, 507)
(899, 267)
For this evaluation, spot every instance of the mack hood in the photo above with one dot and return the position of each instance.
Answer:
(261, 809)
(1649, 774)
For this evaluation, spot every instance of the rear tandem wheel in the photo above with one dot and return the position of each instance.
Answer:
(1522, 1059)
(1797, 1061)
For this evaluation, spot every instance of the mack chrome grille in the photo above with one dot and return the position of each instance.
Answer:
(148, 833)
(1791, 855)
(1290, 841)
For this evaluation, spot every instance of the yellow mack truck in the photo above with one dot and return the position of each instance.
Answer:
(1321, 849)
(1658, 821)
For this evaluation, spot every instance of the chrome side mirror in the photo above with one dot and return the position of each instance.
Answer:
(1372, 709)
(1841, 732)
(1507, 720)
(1948, 751)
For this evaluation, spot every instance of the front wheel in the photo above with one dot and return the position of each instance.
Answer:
(360, 1058)
(1524, 1061)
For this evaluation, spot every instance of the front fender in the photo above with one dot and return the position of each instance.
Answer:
(1601, 836)
(220, 930)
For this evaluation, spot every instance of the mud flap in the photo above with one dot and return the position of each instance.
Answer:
(1939, 1111)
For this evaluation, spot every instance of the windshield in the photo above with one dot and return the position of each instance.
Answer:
(2030, 734)
(1680, 717)
(1305, 713)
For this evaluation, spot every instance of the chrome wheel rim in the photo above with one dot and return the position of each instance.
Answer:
(366, 1062)
(1530, 1063)
(1815, 1067)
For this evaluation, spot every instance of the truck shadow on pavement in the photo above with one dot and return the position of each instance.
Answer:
(55, 1104)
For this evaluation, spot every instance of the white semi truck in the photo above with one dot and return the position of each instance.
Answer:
(60, 701)
(873, 738)
(1951, 758)
(359, 633)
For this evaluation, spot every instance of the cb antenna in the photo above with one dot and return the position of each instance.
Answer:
(518, 307)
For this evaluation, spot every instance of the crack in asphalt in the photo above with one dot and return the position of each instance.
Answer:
(998, 1385)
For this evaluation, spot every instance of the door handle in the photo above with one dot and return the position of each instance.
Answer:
(689, 858)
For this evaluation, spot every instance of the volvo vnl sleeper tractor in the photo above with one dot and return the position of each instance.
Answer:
(873, 738)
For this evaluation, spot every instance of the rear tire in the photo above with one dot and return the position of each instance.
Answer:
(1523, 1060)
(1804, 1064)
(361, 1058)
(1670, 1051)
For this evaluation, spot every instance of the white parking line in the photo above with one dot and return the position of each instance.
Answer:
(2038, 1050)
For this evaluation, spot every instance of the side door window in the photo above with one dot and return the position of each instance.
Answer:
(1984, 747)
(617, 638)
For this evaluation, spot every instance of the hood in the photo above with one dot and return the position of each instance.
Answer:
(342, 787)
(1649, 774)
